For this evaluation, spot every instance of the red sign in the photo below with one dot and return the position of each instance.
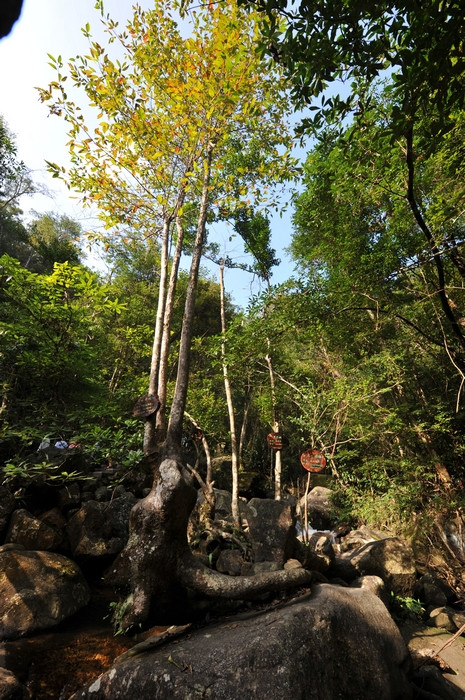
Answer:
(313, 460)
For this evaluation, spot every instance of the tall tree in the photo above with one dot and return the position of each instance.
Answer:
(170, 116)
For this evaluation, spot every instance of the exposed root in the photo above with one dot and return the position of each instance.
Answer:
(193, 574)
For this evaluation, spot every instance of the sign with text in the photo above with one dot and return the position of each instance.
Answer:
(146, 405)
(313, 460)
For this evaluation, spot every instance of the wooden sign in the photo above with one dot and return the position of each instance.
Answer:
(277, 441)
(313, 460)
(146, 405)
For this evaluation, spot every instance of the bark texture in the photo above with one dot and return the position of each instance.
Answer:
(158, 564)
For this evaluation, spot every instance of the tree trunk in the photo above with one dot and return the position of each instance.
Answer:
(441, 278)
(229, 401)
(206, 448)
(155, 424)
(150, 439)
(174, 432)
(277, 453)
(165, 341)
(245, 418)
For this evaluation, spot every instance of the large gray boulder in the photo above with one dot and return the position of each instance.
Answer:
(271, 530)
(38, 590)
(320, 510)
(336, 643)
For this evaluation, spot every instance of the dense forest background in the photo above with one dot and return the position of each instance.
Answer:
(362, 356)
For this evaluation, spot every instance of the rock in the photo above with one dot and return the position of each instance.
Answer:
(432, 592)
(102, 493)
(10, 687)
(32, 533)
(69, 497)
(458, 618)
(100, 530)
(271, 530)
(358, 538)
(38, 590)
(336, 643)
(230, 562)
(260, 567)
(375, 584)
(12, 547)
(443, 618)
(310, 559)
(321, 512)
(432, 684)
(54, 518)
(292, 564)
(392, 559)
(321, 543)
(222, 504)
(7, 506)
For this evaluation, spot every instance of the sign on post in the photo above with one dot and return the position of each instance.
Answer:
(313, 460)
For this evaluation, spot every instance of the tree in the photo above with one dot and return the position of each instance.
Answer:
(54, 239)
(144, 162)
(419, 49)
(372, 269)
(356, 191)
(171, 115)
(50, 336)
(15, 177)
(321, 44)
(15, 181)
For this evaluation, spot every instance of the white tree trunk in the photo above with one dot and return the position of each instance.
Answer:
(275, 425)
(229, 401)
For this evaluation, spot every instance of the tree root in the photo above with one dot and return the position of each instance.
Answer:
(192, 574)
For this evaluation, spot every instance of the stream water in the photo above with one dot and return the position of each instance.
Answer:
(54, 664)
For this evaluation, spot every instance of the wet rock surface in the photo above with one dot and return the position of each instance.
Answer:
(305, 648)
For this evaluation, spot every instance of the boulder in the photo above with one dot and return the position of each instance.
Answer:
(100, 530)
(391, 559)
(321, 512)
(335, 643)
(222, 504)
(433, 592)
(32, 532)
(443, 618)
(375, 584)
(38, 590)
(310, 559)
(230, 562)
(271, 530)
(358, 538)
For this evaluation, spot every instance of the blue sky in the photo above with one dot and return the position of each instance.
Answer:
(54, 27)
